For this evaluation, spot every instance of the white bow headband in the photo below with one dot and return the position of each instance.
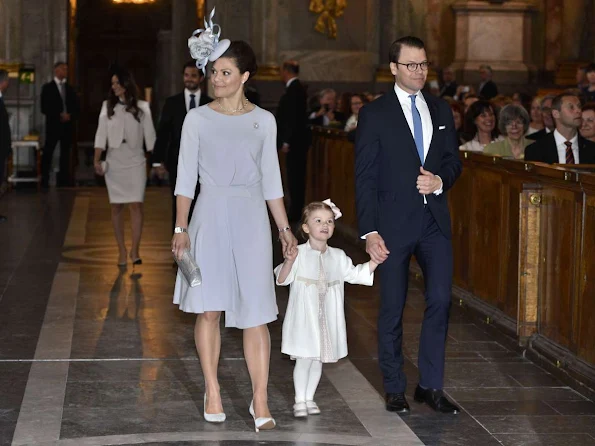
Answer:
(334, 208)
(204, 44)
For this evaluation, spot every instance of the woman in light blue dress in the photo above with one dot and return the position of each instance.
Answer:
(231, 143)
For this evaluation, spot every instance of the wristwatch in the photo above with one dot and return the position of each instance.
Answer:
(179, 230)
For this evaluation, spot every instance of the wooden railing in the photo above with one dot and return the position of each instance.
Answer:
(523, 243)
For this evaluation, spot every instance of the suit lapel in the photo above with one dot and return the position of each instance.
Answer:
(434, 117)
(553, 149)
(182, 105)
(403, 129)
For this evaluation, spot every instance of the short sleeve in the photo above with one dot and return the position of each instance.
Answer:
(188, 158)
(357, 275)
(269, 163)
(101, 133)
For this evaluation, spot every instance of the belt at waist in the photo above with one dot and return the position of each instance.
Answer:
(232, 191)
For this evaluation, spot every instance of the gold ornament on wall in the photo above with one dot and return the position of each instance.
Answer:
(329, 10)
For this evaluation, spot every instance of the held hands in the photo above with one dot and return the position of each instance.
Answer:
(179, 244)
(427, 182)
(285, 148)
(376, 248)
(288, 244)
(98, 169)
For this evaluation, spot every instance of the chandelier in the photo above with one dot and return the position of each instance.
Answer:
(136, 2)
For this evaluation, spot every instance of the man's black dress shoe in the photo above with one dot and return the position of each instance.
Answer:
(435, 399)
(396, 402)
(3, 218)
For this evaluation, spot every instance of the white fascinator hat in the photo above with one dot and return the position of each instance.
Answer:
(205, 45)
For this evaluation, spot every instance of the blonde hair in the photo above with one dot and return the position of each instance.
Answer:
(307, 211)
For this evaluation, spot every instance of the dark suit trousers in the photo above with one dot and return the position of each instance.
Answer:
(63, 134)
(296, 182)
(433, 252)
(173, 175)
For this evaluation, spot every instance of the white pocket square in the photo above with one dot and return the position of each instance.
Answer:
(441, 127)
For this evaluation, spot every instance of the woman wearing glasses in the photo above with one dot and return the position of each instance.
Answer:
(513, 124)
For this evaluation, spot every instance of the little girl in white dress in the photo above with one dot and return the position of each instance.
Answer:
(314, 326)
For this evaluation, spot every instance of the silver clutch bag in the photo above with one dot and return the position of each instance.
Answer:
(189, 269)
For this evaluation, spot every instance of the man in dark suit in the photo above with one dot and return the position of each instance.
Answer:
(5, 138)
(487, 88)
(406, 158)
(293, 135)
(169, 131)
(564, 145)
(449, 84)
(60, 106)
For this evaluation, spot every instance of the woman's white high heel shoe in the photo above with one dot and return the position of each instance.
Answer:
(261, 423)
(212, 417)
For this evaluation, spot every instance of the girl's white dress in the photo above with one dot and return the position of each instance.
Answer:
(314, 324)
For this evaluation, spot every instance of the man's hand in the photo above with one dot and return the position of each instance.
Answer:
(376, 248)
(427, 182)
(285, 148)
(64, 117)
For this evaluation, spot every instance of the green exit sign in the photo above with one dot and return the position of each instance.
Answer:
(26, 75)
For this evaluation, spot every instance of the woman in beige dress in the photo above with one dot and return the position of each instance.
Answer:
(125, 123)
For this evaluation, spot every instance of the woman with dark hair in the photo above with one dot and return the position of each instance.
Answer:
(513, 124)
(124, 124)
(357, 101)
(232, 144)
(480, 126)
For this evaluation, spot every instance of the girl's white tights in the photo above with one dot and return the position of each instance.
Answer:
(306, 376)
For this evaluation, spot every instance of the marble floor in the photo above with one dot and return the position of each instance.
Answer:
(94, 355)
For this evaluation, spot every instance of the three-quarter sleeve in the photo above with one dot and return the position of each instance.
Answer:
(148, 128)
(188, 158)
(101, 133)
(358, 274)
(290, 277)
(269, 163)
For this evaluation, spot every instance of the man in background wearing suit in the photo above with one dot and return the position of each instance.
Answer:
(5, 138)
(169, 131)
(487, 87)
(564, 145)
(406, 158)
(293, 136)
(59, 104)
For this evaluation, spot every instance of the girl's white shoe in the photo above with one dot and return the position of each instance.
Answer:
(212, 417)
(312, 408)
(300, 410)
(261, 423)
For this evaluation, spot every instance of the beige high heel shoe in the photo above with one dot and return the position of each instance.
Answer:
(212, 417)
(261, 423)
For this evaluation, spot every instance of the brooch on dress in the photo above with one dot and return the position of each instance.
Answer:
(256, 125)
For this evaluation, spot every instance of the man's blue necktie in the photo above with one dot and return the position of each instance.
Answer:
(418, 133)
(192, 102)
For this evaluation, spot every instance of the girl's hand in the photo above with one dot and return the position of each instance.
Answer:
(288, 243)
(98, 169)
(179, 244)
(291, 256)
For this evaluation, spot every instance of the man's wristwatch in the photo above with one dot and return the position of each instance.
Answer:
(179, 230)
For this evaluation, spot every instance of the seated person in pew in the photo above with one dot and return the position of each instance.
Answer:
(564, 145)
(513, 124)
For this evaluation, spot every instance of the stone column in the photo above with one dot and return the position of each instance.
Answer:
(265, 38)
(495, 34)
(553, 33)
(10, 31)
